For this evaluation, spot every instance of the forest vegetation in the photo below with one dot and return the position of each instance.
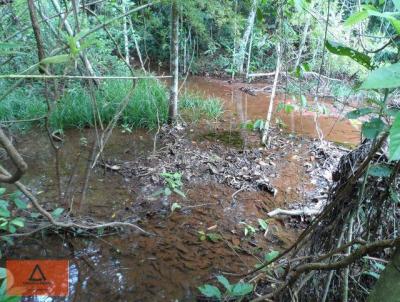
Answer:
(220, 150)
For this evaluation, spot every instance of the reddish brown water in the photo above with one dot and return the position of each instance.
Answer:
(170, 265)
(242, 107)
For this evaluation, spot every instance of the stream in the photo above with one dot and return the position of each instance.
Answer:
(127, 266)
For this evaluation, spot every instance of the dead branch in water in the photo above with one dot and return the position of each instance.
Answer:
(70, 223)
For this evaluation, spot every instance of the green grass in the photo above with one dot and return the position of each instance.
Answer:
(147, 107)
(196, 107)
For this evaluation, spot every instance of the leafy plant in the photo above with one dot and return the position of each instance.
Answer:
(248, 229)
(173, 184)
(213, 237)
(3, 288)
(237, 290)
(9, 223)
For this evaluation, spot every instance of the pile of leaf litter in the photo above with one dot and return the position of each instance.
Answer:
(250, 169)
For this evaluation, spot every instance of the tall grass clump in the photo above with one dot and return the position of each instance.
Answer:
(25, 103)
(147, 106)
(197, 107)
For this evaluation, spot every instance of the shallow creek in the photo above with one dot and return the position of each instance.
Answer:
(170, 265)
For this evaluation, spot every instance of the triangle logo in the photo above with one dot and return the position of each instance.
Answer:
(37, 274)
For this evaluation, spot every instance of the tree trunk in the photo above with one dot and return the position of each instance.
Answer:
(38, 35)
(249, 57)
(69, 30)
(246, 35)
(272, 98)
(174, 63)
(126, 39)
(303, 41)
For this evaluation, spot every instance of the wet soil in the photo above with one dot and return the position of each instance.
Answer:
(222, 166)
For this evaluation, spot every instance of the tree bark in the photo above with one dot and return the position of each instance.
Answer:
(272, 98)
(303, 41)
(69, 30)
(246, 35)
(174, 63)
(38, 35)
(126, 39)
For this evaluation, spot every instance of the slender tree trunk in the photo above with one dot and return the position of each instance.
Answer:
(303, 40)
(249, 57)
(38, 35)
(272, 98)
(245, 39)
(69, 30)
(136, 45)
(174, 64)
(126, 39)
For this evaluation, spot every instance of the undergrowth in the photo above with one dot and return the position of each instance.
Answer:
(147, 107)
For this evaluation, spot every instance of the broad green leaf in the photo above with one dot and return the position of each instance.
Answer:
(2, 191)
(18, 222)
(241, 289)
(372, 128)
(394, 139)
(3, 273)
(263, 224)
(359, 112)
(341, 50)
(384, 77)
(210, 291)
(380, 170)
(57, 212)
(271, 256)
(356, 18)
(56, 59)
(3, 203)
(4, 212)
(12, 229)
(289, 108)
(225, 282)
(20, 204)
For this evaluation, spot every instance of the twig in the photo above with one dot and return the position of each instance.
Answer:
(68, 224)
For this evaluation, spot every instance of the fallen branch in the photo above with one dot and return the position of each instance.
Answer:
(301, 212)
(68, 224)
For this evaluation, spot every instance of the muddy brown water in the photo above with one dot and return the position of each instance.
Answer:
(170, 265)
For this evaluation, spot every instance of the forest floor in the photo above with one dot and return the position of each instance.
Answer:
(230, 183)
